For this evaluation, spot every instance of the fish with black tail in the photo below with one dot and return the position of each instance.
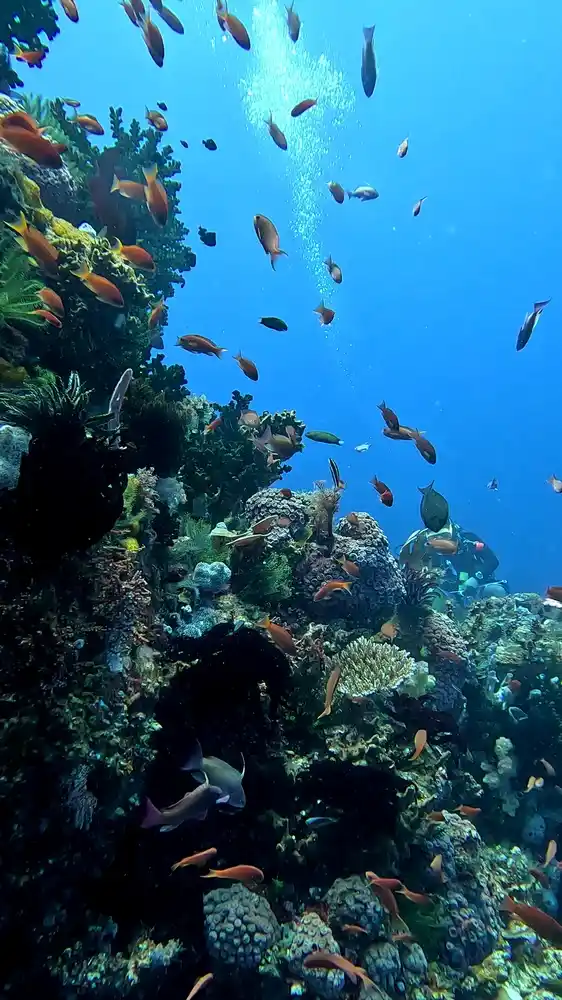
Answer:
(434, 508)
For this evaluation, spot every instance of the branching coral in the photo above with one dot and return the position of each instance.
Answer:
(369, 666)
(22, 22)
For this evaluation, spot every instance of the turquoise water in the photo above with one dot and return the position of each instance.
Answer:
(429, 309)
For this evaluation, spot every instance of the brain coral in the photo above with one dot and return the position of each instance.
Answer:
(310, 933)
(380, 586)
(240, 926)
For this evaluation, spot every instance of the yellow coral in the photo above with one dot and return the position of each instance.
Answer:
(131, 545)
(66, 231)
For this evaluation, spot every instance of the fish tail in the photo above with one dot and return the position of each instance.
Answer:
(265, 622)
(83, 271)
(211, 874)
(116, 185)
(153, 816)
(507, 904)
(115, 244)
(368, 34)
(150, 173)
(195, 761)
(20, 226)
(275, 254)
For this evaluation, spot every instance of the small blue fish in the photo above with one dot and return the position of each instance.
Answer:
(318, 821)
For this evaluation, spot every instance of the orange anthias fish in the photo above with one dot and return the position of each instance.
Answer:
(424, 447)
(352, 518)
(20, 119)
(389, 630)
(540, 876)
(89, 123)
(197, 860)
(265, 525)
(386, 896)
(420, 742)
(247, 366)
(153, 40)
(200, 984)
(333, 681)
(52, 301)
(156, 118)
(303, 106)
(419, 898)
(402, 937)
(445, 546)
(386, 883)
(436, 817)
(349, 567)
(389, 416)
(238, 873)
(326, 315)
(103, 289)
(234, 26)
(31, 57)
(353, 929)
(385, 494)
(157, 314)
(136, 256)
(330, 587)
(48, 316)
(195, 344)
(209, 428)
(129, 189)
(555, 483)
(469, 811)
(269, 238)
(325, 960)
(70, 9)
(35, 244)
(32, 144)
(281, 636)
(540, 922)
(156, 197)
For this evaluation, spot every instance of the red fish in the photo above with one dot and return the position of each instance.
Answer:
(103, 289)
(129, 189)
(286, 493)
(156, 197)
(199, 345)
(424, 447)
(540, 876)
(32, 144)
(157, 314)
(49, 317)
(383, 491)
(469, 811)
(238, 873)
(247, 366)
(386, 883)
(70, 9)
(29, 56)
(389, 416)
(136, 256)
(420, 742)
(325, 960)
(89, 123)
(303, 106)
(35, 244)
(170, 19)
(198, 860)
(330, 587)
(281, 636)
(153, 40)
(199, 984)
(234, 26)
(386, 897)
(52, 301)
(333, 681)
(325, 314)
(419, 898)
(540, 922)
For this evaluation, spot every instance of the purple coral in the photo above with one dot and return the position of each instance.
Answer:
(377, 590)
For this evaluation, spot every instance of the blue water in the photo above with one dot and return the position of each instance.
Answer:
(429, 309)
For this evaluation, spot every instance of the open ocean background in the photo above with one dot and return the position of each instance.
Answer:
(429, 309)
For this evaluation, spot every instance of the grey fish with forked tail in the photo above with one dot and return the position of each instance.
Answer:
(219, 773)
(193, 806)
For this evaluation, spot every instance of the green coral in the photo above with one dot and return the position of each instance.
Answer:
(22, 23)
(225, 467)
(18, 287)
(262, 581)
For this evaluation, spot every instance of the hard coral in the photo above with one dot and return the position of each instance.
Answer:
(306, 935)
(240, 926)
(23, 22)
(369, 667)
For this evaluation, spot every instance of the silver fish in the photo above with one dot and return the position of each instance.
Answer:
(219, 773)
(365, 193)
(362, 447)
(368, 62)
(194, 806)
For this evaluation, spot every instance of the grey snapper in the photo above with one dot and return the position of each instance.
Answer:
(368, 62)
(219, 773)
(193, 806)
(365, 193)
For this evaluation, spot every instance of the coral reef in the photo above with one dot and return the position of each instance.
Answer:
(370, 666)
(310, 933)
(240, 927)
(23, 23)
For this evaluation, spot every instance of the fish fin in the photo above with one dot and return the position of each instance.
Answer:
(541, 305)
(153, 816)
(218, 351)
(265, 622)
(223, 800)
(275, 254)
(20, 226)
(102, 235)
(195, 760)
(116, 185)
(82, 272)
(506, 905)
(150, 173)
(167, 829)
(21, 243)
(368, 34)
(243, 771)
(116, 244)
